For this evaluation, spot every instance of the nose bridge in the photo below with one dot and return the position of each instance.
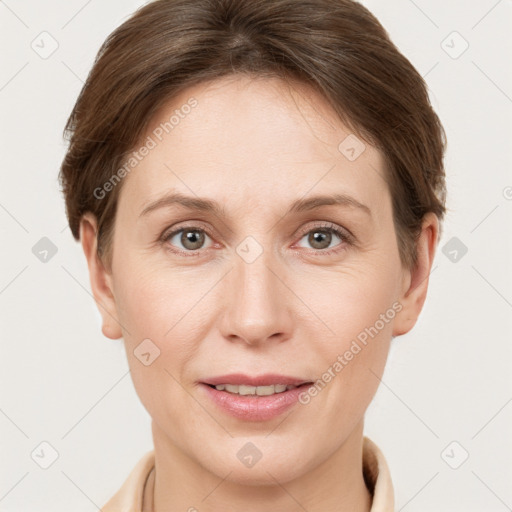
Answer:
(257, 306)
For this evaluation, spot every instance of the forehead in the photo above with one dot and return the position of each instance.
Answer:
(242, 140)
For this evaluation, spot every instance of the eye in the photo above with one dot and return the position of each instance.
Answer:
(191, 238)
(321, 237)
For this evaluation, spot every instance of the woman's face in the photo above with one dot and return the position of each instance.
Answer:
(262, 281)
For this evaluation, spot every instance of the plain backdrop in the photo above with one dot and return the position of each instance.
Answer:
(443, 413)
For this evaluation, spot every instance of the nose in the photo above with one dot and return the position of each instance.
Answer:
(258, 306)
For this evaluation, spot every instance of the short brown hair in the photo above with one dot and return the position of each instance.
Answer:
(336, 46)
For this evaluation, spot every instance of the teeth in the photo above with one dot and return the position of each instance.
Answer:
(253, 390)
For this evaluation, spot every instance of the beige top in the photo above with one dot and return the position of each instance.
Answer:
(136, 493)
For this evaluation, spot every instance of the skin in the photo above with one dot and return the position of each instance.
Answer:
(255, 146)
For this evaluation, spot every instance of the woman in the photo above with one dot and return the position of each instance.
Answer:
(258, 187)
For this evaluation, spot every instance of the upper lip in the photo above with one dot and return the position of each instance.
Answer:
(268, 379)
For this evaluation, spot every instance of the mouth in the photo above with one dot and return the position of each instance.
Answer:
(245, 390)
(263, 385)
(254, 398)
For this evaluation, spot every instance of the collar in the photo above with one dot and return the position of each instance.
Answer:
(136, 493)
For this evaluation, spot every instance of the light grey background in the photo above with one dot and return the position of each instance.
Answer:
(448, 380)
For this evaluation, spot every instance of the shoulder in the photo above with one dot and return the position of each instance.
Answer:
(129, 497)
(377, 477)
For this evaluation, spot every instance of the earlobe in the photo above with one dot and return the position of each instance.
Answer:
(415, 282)
(100, 279)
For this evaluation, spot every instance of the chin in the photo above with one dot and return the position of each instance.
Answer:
(247, 464)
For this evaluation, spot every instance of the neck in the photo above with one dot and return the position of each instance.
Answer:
(336, 484)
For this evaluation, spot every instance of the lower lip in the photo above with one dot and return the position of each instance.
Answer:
(254, 408)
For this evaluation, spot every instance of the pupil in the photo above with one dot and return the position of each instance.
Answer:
(192, 237)
(317, 239)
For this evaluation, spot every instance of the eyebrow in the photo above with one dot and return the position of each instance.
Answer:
(209, 206)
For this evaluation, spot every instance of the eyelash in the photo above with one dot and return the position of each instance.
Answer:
(346, 237)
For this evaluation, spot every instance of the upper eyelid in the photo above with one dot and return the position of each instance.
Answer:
(326, 225)
(172, 231)
(198, 224)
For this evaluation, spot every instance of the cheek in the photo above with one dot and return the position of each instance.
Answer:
(170, 309)
(359, 308)
(158, 338)
(352, 300)
(149, 301)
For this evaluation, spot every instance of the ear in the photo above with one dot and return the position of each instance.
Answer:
(100, 279)
(415, 281)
